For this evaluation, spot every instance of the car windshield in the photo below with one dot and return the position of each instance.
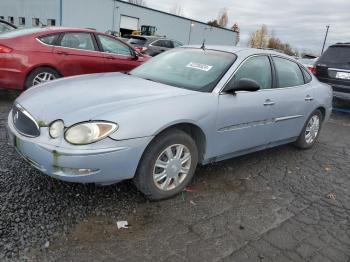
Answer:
(21, 32)
(193, 69)
(336, 55)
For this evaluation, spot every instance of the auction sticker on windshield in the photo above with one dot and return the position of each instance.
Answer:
(199, 66)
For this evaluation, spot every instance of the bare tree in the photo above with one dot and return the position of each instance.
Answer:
(137, 2)
(259, 39)
(223, 18)
(213, 23)
(177, 9)
(235, 28)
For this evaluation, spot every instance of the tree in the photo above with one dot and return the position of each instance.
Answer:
(259, 39)
(138, 2)
(213, 23)
(235, 28)
(177, 10)
(223, 18)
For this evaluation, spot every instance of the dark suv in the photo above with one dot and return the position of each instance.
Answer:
(152, 45)
(333, 68)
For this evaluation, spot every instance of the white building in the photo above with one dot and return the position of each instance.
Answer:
(114, 15)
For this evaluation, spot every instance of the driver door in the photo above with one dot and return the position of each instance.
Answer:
(245, 118)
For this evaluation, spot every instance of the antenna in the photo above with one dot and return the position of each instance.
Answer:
(203, 44)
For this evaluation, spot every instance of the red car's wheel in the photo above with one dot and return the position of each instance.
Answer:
(41, 75)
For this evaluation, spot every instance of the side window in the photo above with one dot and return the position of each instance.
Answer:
(110, 45)
(307, 75)
(48, 39)
(168, 44)
(158, 43)
(288, 73)
(177, 44)
(257, 68)
(78, 41)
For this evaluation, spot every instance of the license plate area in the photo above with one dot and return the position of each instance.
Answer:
(343, 75)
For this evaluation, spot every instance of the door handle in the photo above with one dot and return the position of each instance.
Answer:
(61, 53)
(309, 98)
(269, 102)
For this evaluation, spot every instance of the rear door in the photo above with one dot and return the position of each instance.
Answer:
(292, 100)
(77, 53)
(333, 68)
(118, 56)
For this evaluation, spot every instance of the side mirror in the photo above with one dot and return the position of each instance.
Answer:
(134, 54)
(244, 84)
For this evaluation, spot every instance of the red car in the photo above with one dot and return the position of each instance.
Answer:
(35, 55)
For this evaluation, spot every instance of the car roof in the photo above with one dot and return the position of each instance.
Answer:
(241, 50)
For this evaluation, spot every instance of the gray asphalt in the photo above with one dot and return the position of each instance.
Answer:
(281, 204)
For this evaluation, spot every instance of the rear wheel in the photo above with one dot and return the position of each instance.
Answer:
(311, 131)
(41, 75)
(167, 165)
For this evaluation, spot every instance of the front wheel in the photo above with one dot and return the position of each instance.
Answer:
(311, 131)
(167, 165)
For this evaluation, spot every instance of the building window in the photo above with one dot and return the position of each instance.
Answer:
(51, 22)
(35, 22)
(21, 21)
(2, 17)
(11, 19)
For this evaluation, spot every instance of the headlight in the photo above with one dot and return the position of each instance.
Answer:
(56, 129)
(89, 132)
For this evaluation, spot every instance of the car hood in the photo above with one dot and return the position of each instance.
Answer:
(88, 97)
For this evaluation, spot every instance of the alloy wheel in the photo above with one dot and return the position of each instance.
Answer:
(42, 78)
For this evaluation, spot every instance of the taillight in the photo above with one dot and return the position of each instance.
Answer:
(5, 49)
(312, 69)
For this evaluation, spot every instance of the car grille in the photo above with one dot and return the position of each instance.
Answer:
(24, 122)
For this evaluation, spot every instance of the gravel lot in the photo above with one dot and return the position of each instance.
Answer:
(282, 204)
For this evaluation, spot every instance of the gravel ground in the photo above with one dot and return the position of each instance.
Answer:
(281, 204)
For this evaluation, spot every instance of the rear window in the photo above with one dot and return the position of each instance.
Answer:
(336, 55)
(20, 32)
(137, 41)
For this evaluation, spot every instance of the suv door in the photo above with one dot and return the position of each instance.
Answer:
(244, 118)
(292, 100)
(118, 56)
(77, 53)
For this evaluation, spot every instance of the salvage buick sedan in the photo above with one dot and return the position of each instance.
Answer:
(154, 125)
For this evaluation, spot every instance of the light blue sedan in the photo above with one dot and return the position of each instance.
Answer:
(154, 125)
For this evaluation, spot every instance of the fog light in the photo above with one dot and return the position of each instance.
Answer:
(79, 171)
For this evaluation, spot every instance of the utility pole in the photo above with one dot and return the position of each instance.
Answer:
(325, 39)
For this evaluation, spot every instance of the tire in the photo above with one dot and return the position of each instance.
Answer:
(38, 72)
(147, 171)
(303, 142)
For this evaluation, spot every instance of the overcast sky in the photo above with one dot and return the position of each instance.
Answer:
(301, 23)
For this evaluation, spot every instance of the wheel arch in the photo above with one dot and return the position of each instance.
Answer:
(323, 111)
(194, 131)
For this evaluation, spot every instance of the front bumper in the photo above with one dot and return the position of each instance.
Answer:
(104, 162)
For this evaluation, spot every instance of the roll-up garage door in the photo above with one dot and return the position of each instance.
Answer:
(127, 22)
